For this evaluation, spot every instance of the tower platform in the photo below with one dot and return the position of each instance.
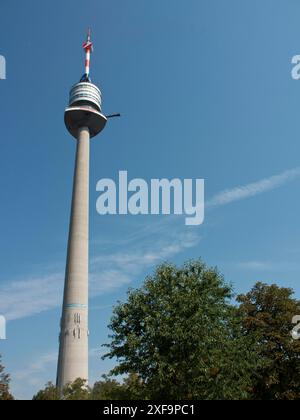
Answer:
(84, 109)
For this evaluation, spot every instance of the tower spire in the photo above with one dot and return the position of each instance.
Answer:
(88, 48)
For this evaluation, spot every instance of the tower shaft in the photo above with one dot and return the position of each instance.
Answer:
(73, 347)
(84, 120)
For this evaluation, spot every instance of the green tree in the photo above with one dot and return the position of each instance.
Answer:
(50, 393)
(4, 384)
(182, 337)
(77, 390)
(108, 389)
(267, 315)
(134, 388)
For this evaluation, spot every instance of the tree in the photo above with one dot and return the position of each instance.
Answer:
(134, 388)
(182, 337)
(4, 384)
(105, 389)
(50, 393)
(267, 315)
(131, 388)
(77, 390)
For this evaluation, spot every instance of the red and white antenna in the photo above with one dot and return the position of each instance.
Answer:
(88, 48)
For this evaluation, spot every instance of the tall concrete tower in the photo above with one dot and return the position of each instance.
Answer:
(84, 120)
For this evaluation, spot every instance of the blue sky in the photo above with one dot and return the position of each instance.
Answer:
(205, 91)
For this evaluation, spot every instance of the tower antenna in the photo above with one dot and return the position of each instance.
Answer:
(88, 48)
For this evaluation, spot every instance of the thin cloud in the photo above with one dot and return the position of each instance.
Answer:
(110, 271)
(20, 299)
(35, 375)
(122, 267)
(255, 265)
(267, 266)
(253, 189)
(37, 367)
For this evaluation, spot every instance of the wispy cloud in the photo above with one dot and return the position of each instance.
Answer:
(123, 266)
(253, 189)
(267, 266)
(143, 249)
(32, 372)
(31, 296)
(36, 374)
(254, 265)
(20, 299)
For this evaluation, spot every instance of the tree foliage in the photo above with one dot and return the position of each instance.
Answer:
(132, 388)
(267, 313)
(181, 336)
(77, 390)
(4, 384)
(105, 389)
(49, 393)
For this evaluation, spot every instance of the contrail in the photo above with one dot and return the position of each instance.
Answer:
(253, 189)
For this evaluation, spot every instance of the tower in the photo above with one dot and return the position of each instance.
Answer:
(84, 120)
